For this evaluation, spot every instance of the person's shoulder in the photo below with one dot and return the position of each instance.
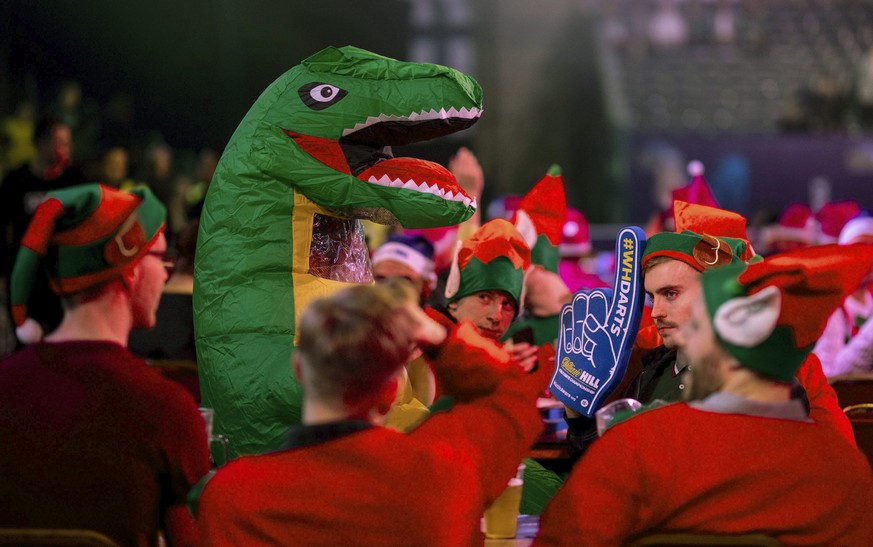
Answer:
(142, 379)
(659, 356)
(20, 357)
(657, 420)
(232, 483)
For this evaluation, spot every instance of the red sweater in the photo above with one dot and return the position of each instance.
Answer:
(380, 487)
(94, 438)
(824, 407)
(681, 469)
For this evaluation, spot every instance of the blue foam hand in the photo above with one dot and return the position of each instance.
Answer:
(597, 331)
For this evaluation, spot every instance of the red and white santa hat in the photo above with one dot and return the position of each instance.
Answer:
(831, 218)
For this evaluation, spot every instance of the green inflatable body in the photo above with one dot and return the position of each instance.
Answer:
(279, 227)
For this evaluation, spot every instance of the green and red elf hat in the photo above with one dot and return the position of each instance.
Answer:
(705, 238)
(540, 218)
(769, 314)
(494, 258)
(84, 235)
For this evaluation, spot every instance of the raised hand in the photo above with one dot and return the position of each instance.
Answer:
(465, 166)
(597, 331)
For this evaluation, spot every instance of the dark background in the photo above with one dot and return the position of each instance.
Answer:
(191, 67)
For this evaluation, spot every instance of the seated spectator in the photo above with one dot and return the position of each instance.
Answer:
(577, 253)
(740, 456)
(846, 345)
(409, 257)
(173, 334)
(484, 287)
(355, 489)
(795, 229)
(832, 216)
(115, 167)
(21, 191)
(540, 216)
(485, 284)
(706, 238)
(93, 437)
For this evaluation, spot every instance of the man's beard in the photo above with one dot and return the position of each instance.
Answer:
(702, 378)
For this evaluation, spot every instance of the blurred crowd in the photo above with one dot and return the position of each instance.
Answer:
(74, 139)
(107, 145)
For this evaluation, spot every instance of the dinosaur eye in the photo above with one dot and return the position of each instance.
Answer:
(318, 96)
(323, 93)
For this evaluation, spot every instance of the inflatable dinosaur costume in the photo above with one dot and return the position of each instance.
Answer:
(279, 228)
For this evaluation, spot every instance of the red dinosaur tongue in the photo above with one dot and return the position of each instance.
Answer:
(409, 173)
(404, 172)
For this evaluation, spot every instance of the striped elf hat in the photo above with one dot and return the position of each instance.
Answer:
(705, 238)
(540, 218)
(769, 314)
(84, 235)
(495, 257)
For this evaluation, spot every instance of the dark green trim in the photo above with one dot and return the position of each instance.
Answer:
(498, 275)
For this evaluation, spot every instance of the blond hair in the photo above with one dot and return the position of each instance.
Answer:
(352, 342)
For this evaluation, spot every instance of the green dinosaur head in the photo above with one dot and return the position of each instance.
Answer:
(341, 110)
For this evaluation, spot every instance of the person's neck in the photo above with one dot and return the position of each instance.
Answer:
(106, 318)
(681, 360)
(317, 412)
(748, 385)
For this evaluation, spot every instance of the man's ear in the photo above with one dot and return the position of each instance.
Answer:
(387, 395)
(129, 276)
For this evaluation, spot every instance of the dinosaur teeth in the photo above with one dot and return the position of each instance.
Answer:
(424, 115)
(423, 188)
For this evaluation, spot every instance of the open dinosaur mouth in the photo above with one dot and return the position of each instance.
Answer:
(419, 175)
(416, 127)
(364, 151)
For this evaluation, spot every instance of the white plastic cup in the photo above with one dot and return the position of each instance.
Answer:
(620, 408)
(208, 415)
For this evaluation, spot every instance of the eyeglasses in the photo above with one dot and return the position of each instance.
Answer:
(169, 263)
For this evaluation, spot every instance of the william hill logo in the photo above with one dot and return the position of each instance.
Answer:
(580, 375)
